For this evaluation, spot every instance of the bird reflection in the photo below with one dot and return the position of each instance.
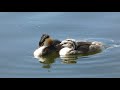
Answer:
(48, 60)
(72, 59)
(69, 59)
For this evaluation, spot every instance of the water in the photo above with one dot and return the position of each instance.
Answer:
(20, 33)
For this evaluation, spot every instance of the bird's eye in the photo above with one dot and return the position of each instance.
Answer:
(42, 44)
(46, 49)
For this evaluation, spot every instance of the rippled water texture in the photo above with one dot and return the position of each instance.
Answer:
(20, 33)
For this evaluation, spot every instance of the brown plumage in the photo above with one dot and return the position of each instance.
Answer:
(47, 45)
(83, 46)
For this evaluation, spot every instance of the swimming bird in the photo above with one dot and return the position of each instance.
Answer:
(46, 46)
(72, 47)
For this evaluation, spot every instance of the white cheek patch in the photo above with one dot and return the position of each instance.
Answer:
(38, 52)
(64, 51)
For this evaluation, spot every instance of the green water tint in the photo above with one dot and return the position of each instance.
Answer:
(49, 59)
(72, 59)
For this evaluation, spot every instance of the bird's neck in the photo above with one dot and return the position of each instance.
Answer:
(48, 42)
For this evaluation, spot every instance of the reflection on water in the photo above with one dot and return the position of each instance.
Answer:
(69, 59)
(20, 34)
(47, 60)
(72, 59)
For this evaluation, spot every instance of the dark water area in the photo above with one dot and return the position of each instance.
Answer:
(20, 33)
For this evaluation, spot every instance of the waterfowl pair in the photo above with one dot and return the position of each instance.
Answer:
(72, 47)
(67, 47)
(46, 46)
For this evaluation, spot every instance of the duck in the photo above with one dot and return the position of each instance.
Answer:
(73, 47)
(46, 46)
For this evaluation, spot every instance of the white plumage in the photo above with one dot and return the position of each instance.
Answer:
(71, 47)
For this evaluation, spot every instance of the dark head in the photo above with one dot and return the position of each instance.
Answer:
(70, 43)
(43, 38)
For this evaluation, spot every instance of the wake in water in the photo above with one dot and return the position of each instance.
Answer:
(114, 44)
(108, 43)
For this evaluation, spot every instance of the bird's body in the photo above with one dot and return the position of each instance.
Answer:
(71, 47)
(46, 46)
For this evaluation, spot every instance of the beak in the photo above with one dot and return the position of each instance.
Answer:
(59, 45)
